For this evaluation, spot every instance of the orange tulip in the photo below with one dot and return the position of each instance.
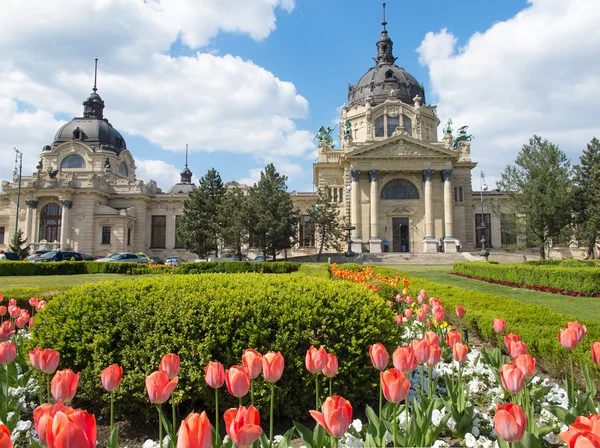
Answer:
(568, 338)
(73, 429)
(331, 367)
(509, 339)
(579, 329)
(513, 379)
(64, 385)
(48, 360)
(432, 338)
(214, 374)
(3, 310)
(526, 364)
(315, 359)
(422, 315)
(422, 349)
(438, 313)
(43, 416)
(7, 330)
(243, 425)
(395, 385)
(252, 360)
(517, 348)
(596, 353)
(452, 337)
(273, 364)
(582, 424)
(435, 354)
(585, 440)
(159, 387)
(170, 364)
(510, 422)
(379, 356)
(404, 359)
(111, 377)
(238, 381)
(8, 352)
(195, 432)
(5, 440)
(499, 325)
(459, 352)
(460, 311)
(336, 416)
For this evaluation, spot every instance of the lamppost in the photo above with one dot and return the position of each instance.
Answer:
(19, 165)
(482, 225)
(349, 252)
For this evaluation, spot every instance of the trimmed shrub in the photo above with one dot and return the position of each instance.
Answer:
(575, 280)
(568, 263)
(215, 317)
(22, 295)
(233, 267)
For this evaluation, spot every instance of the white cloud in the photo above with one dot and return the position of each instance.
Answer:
(165, 174)
(537, 72)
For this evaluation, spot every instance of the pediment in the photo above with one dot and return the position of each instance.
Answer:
(402, 147)
(106, 210)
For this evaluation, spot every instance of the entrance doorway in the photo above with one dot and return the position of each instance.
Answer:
(400, 235)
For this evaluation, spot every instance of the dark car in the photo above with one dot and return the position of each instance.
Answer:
(87, 257)
(54, 256)
(11, 256)
(156, 260)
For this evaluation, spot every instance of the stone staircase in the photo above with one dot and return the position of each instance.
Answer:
(408, 258)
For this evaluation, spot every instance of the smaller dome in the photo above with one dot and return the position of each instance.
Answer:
(181, 189)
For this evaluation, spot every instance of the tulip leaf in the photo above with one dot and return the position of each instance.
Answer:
(113, 440)
(589, 383)
(305, 434)
(530, 441)
(319, 436)
(287, 439)
(544, 430)
(562, 414)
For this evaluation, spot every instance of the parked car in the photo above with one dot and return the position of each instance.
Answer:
(173, 261)
(259, 258)
(87, 257)
(11, 256)
(38, 253)
(155, 260)
(55, 255)
(124, 257)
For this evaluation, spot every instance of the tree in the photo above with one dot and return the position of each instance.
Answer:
(327, 224)
(586, 197)
(272, 220)
(539, 186)
(201, 225)
(19, 245)
(235, 223)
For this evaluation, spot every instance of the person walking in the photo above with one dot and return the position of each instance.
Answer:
(441, 244)
(458, 245)
(2, 256)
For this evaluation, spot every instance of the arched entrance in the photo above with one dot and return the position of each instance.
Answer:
(400, 190)
(50, 222)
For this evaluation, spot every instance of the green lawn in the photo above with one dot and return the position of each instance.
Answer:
(55, 282)
(582, 307)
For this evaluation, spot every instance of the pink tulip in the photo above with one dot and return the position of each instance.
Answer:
(195, 432)
(73, 429)
(408, 313)
(568, 338)
(459, 352)
(509, 339)
(242, 425)
(48, 360)
(510, 422)
(512, 378)
(273, 364)
(395, 385)
(252, 360)
(214, 375)
(518, 348)
(399, 319)
(435, 354)
(379, 356)
(579, 329)
(432, 338)
(336, 416)
(460, 311)
(438, 314)
(452, 337)
(238, 381)
(8, 352)
(422, 350)
(159, 387)
(331, 367)
(111, 377)
(422, 315)
(596, 353)
(170, 364)
(315, 359)
(7, 330)
(499, 326)
(526, 364)
(3, 310)
(404, 359)
(64, 385)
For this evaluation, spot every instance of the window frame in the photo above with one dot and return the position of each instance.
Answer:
(2, 234)
(379, 126)
(158, 233)
(106, 236)
(72, 157)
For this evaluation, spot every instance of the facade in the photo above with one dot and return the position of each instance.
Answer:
(399, 187)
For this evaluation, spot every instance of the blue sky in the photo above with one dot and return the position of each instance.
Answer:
(249, 82)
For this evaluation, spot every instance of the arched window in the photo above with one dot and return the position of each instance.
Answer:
(379, 129)
(72, 161)
(123, 171)
(50, 222)
(399, 189)
(392, 124)
(407, 124)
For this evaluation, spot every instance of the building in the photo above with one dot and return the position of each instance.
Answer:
(395, 183)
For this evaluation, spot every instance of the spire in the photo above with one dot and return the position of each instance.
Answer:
(93, 105)
(96, 73)
(186, 174)
(384, 45)
(384, 23)
(186, 155)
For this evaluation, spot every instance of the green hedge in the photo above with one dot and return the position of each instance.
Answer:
(22, 295)
(233, 267)
(216, 317)
(576, 280)
(568, 263)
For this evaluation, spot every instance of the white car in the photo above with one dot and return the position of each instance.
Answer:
(173, 261)
(124, 257)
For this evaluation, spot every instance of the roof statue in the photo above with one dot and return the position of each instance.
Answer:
(347, 129)
(448, 126)
(324, 135)
(462, 136)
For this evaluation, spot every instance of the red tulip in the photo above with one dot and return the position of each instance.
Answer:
(40, 306)
(7, 330)
(422, 315)
(21, 321)
(34, 357)
(273, 364)
(64, 385)
(517, 348)
(399, 319)
(159, 387)
(438, 313)
(585, 440)
(315, 359)
(31, 322)
(568, 338)
(499, 325)
(395, 385)
(509, 339)
(421, 348)
(3, 310)
(579, 329)
(170, 364)
(460, 311)
(14, 311)
(34, 301)
(243, 425)
(596, 353)
(452, 337)
(44, 415)
(238, 381)
(195, 432)
(513, 379)
(409, 300)
(48, 360)
(73, 429)
(379, 356)
(404, 359)
(331, 368)
(111, 377)
(8, 352)
(12, 302)
(459, 352)
(526, 364)
(336, 416)
(252, 360)
(435, 354)
(432, 338)
(581, 425)
(1, 297)
(510, 422)
(5, 440)
(408, 313)
(214, 374)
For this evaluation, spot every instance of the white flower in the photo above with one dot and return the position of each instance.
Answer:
(470, 440)
(150, 444)
(451, 423)
(439, 444)
(436, 416)
(23, 425)
(357, 425)
(277, 438)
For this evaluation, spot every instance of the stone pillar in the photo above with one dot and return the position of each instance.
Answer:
(64, 223)
(449, 240)
(429, 242)
(374, 240)
(29, 232)
(355, 211)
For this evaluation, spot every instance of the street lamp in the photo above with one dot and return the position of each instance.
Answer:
(349, 252)
(19, 165)
(482, 225)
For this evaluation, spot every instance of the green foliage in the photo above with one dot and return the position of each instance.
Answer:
(19, 245)
(216, 317)
(65, 268)
(586, 196)
(327, 224)
(539, 187)
(582, 280)
(568, 263)
(234, 211)
(232, 267)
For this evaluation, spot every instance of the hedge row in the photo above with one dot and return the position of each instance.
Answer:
(216, 317)
(576, 280)
(568, 263)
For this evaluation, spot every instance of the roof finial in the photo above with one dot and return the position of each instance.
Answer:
(186, 155)
(384, 23)
(95, 75)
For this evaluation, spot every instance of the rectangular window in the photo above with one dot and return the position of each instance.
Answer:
(158, 232)
(335, 195)
(392, 124)
(507, 233)
(455, 194)
(379, 127)
(129, 236)
(2, 235)
(306, 235)
(329, 194)
(460, 194)
(483, 230)
(178, 242)
(342, 194)
(407, 124)
(106, 231)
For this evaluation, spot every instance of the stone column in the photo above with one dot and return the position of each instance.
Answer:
(374, 240)
(31, 206)
(449, 241)
(64, 223)
(355, 211)
(429, 242)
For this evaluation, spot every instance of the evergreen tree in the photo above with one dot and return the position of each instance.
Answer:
(19, 245)
(587, 197)
(272, 220)
(235, 223)
(327, 224)
(201, 225)
(539, 186)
